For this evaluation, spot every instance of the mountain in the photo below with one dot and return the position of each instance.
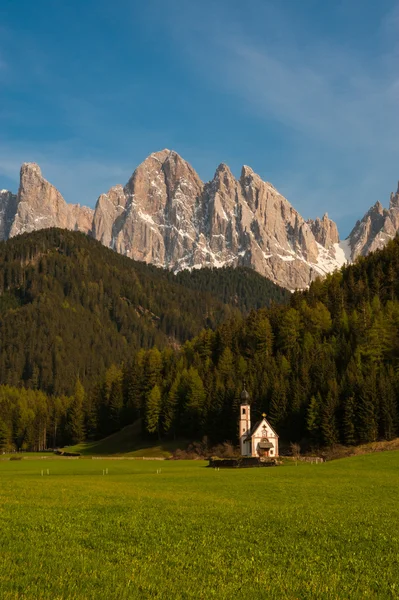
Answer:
(378, 226)
(69, 306)
(165, 215)
(39, 205)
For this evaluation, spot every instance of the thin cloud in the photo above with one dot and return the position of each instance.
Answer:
(316, 88)
(335, 104)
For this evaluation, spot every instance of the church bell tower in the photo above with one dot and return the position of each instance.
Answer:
(245, 424)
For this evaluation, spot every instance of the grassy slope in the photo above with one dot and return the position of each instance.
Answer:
(127, 442)
(323, 531)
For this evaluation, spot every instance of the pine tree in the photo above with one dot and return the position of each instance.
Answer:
(313, 418)
(169, 406)
(5, 435)
(195, 399)
(279, 402)
(367, 409)
(328, 419)
(388, 413)
(153, 410)
(76, 415)
(349, 430)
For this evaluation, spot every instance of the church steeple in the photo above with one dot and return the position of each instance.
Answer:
(245, 423)
(244, 396)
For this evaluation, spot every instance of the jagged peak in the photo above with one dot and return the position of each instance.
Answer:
(161, 155)
(377, 207)
(164, 155)
(246, 171)
(115, 188)
(223, 169)
(31, 167)
(394, 199)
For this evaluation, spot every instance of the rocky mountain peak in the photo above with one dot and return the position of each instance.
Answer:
(167, 216)
(377, 208)
(223, 176)
(39, 205)
(161, 155)
(377, 227)
(324, 230)
(394, 199)
(30, 169)
(246, 172)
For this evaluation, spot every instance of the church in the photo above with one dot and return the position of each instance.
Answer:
(260, 440)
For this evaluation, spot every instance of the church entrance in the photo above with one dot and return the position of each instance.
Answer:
(264, 448)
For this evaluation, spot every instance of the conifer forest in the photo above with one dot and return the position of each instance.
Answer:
(91, 341)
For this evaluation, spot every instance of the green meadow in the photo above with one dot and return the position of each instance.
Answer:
(308, 531)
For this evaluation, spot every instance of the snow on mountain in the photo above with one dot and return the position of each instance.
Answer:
(167, 216)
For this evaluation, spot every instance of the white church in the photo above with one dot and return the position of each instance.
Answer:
(260, 440)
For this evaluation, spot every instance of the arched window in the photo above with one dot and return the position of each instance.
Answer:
(243, 411)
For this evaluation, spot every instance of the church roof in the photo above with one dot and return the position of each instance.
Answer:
(256, 426)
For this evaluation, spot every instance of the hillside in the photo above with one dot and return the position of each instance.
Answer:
(240, 287)
(324, 368)
(70, 306)
(129, 441)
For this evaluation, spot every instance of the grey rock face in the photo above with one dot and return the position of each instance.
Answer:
(40, 205)
(324, 230)
(378, 226)
(8, 208)
(165, 215)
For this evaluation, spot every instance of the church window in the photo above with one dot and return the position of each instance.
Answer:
(243, 411)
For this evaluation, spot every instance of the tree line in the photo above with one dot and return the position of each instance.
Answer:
(325, 369)
(69, 307)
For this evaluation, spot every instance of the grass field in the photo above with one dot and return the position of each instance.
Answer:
(312, 531)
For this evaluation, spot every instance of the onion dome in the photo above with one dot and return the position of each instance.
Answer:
(244, 396)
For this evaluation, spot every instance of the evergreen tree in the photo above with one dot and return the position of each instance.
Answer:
(5, 435)
(76, 415)
(367, 409)
(313, 418)
(328, 418)
(349, 430)
(153, 410)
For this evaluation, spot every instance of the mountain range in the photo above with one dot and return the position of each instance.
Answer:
(165, 215)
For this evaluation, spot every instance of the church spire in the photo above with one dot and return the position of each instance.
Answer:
(245, 397)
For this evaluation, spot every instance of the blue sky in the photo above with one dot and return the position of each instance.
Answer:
(305, 92)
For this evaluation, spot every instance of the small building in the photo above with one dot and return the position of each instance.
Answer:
(259, 440)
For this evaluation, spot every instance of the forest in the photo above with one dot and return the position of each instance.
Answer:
(70, 307)
(323, 366)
